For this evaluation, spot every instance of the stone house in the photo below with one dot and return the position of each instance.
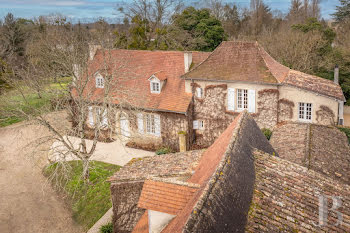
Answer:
(239, 184)
(201, 93)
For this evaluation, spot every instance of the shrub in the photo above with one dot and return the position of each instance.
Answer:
(267, 133)
(346, 131)
(164, 150)
(107, 228)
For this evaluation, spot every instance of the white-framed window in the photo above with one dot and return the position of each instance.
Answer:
(305, 111)
(100, 82)
(198, 124)
(201, 125)
(155, 87)
(152, 124)
(199, 92)
(242, 99)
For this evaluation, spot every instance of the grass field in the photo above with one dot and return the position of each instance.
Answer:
(13, 106)
(88, 201)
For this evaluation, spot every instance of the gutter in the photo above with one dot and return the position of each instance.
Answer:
(231, 81)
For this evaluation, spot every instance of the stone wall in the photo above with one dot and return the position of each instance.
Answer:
(325, 116)
(285, 110)
(125, 197)
(267, 102)
(213, 111)
(223, 207)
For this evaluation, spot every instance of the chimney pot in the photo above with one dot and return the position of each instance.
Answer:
(336, 74)
(188, 61)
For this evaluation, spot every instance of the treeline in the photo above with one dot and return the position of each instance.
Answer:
(299, 39)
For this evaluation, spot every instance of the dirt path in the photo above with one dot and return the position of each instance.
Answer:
(27, 203)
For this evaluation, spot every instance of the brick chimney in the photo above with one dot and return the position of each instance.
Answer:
(92, 50)
(188, 61)
(336, 74)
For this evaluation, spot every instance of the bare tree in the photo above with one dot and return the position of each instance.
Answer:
(61, 51)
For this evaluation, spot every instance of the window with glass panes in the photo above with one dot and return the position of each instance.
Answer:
(305, 111)
(155, 87)
(150, 124)
(242, 99)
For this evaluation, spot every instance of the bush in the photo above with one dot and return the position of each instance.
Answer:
(164, 150)
(107, 228)
(267, 133)
(346, 131)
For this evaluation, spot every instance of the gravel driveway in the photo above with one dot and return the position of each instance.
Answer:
(27, 203)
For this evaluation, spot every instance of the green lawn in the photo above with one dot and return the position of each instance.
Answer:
(88, 201)
(12, 102)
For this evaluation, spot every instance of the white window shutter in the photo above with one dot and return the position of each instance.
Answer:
(157, 124)
(199, 92)
(104, 118)
(231, 99)
(91, 116)
(140, 122)
(251, 101)
(195, 124)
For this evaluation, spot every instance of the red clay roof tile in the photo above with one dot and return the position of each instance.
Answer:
(165, 197)
(142, 225)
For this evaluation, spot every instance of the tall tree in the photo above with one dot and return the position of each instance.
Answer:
(343, 11)
(11, 39)
(205, 30)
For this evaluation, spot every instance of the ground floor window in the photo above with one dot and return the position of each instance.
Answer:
(150, 124)
(305, 111)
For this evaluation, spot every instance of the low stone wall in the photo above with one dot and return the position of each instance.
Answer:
(125, 197)
(226, 199)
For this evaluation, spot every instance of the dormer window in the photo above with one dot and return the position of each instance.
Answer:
(157, 82)
(100, 82)
(155, 87)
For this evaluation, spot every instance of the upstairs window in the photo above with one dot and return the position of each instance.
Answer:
(100, 82)
(155, 87)
(199, 92)
(242, 99)
(305, 111)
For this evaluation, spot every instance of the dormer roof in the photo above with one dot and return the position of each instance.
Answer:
(161, 76)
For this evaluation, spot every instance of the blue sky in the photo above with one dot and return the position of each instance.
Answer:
(92, 9)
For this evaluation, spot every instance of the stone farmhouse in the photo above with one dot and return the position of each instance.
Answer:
(239, 184)
(199, 94)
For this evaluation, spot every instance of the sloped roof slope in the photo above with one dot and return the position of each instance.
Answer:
(249, 62)
(168, 165)
(129, 71)
(165, 197)
(286, 198)
(324, 149)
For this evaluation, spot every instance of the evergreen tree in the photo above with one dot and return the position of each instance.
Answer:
(343, 11)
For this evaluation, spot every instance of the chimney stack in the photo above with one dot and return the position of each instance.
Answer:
(336, 74)
(188, 61)
(92, 50)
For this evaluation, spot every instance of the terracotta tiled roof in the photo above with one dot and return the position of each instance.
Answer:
(131, 70)
(207, 166)
(142, 225)
(240, 61)
(169, 165)
(164, 197)
(248, 61)
(324, 149)
(315, 84)
(286, 198)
